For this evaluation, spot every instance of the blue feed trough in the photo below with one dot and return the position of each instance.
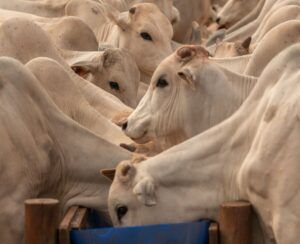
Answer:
(184, 233)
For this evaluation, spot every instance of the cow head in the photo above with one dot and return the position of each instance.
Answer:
(232, 49)
(112, 69)
(141, 196)
(124, 177)
(186, 96)
(146, 33)
(235, 10)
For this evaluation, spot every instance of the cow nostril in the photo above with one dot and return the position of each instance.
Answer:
(218, 20)
(124, 126)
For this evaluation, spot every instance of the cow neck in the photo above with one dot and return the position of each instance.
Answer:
(235, 64)
(81, 155)
(251, 27)
(248, 18)
(242, 84)
(69, 99)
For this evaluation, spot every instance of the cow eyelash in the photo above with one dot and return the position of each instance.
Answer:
(146, 36)
(114, 85)
(161, 83)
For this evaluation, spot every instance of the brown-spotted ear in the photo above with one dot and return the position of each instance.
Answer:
(186, 53)
(188, 76)
(246, 43)
(108, 58)
(125, 171)
(108, 173)
(83, 68)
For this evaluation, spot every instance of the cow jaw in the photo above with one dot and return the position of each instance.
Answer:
(139, 121)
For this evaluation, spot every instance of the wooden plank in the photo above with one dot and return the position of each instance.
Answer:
(65, 226)
(41, 220)
(235, 223)
(80, 219)
(213, 233)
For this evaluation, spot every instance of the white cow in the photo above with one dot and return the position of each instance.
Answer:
(187, 95)
(253, 155)
(44, 153)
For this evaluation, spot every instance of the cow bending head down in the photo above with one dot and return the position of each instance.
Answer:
(186, 96)
(235, 10)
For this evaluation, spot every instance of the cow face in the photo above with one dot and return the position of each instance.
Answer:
(235, 10)
(146, 33)
(187, 95)
(232, 49)
(137, 197)
(113, 70)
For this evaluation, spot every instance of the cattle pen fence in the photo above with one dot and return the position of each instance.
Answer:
(44, 226)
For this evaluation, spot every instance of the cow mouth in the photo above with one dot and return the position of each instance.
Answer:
(142, 139)
(224, 26)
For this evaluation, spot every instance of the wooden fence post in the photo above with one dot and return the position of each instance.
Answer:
(235, 223)
(41, 221)
(213, 233)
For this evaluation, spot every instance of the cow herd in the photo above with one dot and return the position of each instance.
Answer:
(151, 111)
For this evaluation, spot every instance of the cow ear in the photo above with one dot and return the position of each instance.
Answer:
(108, 173)
(125, 171)
(188, 76)
(175, 15)
(83, 69)
(186, 53)
(246, 43)
(120, 19)
(145, 191)
(218, 41)
(108, 58)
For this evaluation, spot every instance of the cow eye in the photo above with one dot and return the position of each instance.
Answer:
(161, 83)
(114, 85)
(121, 212)
(146, 36)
